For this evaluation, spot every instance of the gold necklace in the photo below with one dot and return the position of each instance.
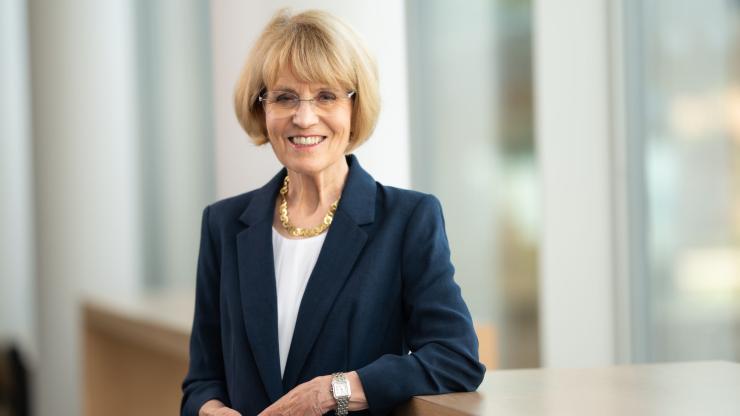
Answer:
(303, 232)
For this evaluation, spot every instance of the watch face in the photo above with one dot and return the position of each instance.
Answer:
(340, 389)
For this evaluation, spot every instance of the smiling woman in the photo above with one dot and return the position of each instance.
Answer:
(324, 289)
(307, 139)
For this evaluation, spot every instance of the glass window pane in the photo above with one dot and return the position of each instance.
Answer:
(687, 64)
(473, 147)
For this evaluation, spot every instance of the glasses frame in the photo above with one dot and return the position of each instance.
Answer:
(262, 98)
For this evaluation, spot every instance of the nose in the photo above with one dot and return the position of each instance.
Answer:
(305, 115)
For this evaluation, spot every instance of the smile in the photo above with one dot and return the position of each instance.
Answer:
(306, 140)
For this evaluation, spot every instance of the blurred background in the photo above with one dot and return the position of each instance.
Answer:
(586, 153)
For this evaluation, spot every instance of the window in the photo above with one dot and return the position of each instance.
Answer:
(473, 146)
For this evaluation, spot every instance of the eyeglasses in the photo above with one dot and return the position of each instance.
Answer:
(286, 102)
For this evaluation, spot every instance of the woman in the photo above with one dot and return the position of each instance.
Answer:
(322, 290)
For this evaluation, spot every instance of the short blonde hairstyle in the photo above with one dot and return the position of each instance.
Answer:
(317, 47)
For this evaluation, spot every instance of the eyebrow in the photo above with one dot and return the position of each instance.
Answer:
(285, 88)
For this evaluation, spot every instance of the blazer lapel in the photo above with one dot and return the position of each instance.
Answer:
(344, 243)
(257, 285)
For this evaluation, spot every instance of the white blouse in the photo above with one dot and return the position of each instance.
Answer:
(294, 262)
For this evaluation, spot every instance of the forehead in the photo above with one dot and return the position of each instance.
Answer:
(286, 80)
(291, 65)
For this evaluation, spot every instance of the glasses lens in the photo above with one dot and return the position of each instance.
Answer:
(284, 100)
(325, 99)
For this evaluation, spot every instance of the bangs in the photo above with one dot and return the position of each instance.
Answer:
(309, 53)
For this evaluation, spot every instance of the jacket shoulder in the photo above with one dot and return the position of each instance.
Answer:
(232, 203)
(405, 199)
(227, 211)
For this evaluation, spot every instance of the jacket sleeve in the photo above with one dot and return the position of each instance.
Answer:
(439, 331)
(205, 379)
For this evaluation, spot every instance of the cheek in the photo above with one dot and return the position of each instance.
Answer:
(343, 124)
(272, 126)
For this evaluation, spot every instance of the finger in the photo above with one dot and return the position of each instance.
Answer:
(268, 412)
(227, 412)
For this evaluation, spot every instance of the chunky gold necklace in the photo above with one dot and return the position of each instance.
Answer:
(303, 232)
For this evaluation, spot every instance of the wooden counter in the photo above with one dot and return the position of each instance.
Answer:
(696, 388)
(136, 353)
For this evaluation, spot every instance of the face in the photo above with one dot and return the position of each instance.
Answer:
(305, 140)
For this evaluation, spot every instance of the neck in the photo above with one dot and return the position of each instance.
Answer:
(310, 192)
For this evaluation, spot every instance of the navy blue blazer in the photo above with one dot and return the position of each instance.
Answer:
(381, 300)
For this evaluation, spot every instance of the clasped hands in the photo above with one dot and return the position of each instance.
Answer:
(312, 398)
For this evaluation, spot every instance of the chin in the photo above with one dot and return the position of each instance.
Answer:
(305, 166)
(309, 166)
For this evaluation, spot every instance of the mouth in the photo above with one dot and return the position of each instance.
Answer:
(306, 141)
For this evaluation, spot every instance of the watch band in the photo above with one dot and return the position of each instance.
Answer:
(342, 401)
(342, 406)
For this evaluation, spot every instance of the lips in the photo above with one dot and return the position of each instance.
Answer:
(306, 140)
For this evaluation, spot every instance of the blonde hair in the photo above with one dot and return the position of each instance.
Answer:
(317, 47)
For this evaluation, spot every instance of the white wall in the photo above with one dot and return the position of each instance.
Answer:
(241, 166)
(577, 280)
(85, 169)
(176, 118)
(17, 298)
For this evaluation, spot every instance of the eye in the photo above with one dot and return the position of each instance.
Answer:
(285, 97)
(326, 97)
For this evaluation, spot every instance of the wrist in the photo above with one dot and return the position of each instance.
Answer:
(327, 401)
(341, 390)
(358, 394)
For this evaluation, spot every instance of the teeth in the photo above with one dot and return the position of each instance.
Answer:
(306, 140)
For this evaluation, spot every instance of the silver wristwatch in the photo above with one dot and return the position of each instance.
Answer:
(341, 392)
